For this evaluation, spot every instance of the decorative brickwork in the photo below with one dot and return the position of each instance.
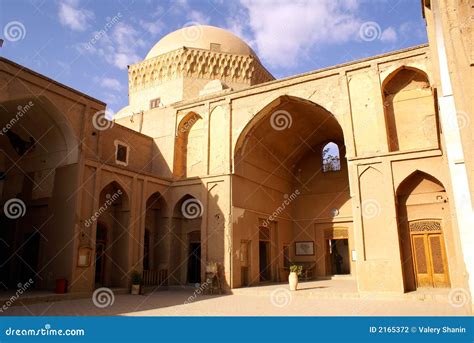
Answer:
(425, 226)
(197, 63)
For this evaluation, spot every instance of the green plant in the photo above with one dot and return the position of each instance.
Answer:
(296, 269)
(136, 278)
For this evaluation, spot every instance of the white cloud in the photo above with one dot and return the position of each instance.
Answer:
(389, 35)
(237, 23)
(183, 8)
(73, 17)
(413, 29)
(285, 31)
(110, 83)
(111, 98)
(198, 17)
(119, 47)
(153, 27)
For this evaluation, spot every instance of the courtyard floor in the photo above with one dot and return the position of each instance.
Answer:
(316, 298)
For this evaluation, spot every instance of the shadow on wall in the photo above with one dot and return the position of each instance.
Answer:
(284, 182)
(197, 237)
(39, 174)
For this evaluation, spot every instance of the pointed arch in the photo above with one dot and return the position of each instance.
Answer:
(410, 111)
(114, 213)
(278, 160)
(423, 218)
(189, 146)
(185, 253)
(283, 118)
(415, 179)
(188, 198)
(370, 169)
(395, 72)
(154, 237)
(113, 184)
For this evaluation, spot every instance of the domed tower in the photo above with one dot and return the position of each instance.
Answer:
(191, 62)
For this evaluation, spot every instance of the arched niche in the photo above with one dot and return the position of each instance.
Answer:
(423, 218)
(410, 111)
(189, 147)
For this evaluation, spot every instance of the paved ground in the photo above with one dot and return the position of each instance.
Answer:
(315, 299)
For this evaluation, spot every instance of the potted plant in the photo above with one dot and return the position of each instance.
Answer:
(136, 283)
(295, 271)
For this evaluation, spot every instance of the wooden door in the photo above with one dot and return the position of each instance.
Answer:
(420, 261)
(429, 256)
(438, 260)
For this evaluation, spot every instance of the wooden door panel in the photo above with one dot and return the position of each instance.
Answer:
(429, 260)
(421, 262)
(438, 260)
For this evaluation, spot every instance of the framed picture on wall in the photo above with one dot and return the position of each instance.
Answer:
(304, 248)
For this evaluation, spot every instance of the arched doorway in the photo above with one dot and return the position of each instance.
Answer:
(423, 216)
(189, 145)
(100, 257)
(146, 250)
(185, 252)
(155, 242)
(38, 161)
(113, 234)
(194, 257)
(290, 183)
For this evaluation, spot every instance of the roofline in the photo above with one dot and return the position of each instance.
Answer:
(62, 85)
(254, 55)
(346, 64)
(313, 72)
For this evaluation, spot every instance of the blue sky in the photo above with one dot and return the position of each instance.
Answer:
(56, 38)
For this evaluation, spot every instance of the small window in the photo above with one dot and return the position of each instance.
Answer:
(121, 153)
(331, 159)
(215, 47)
(155, 103)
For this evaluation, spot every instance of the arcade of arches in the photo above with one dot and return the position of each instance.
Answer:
(343, 171)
